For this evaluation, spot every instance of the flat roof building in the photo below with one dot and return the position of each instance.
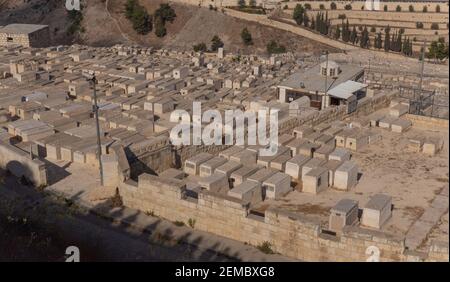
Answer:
(27, 35)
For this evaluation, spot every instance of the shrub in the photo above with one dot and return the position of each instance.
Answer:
(178, 223)
(216, 43)
(274, 48)
(191, 222)
(201, 47)
(165, 13)
(75, 18)
(137, 14)
(265, 247)
(246, 37)
(160, 29)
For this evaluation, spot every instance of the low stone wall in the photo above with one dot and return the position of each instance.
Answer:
(20, 164)
(289, 233)
(428, 122)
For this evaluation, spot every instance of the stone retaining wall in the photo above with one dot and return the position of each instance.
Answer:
(290, 234)
(19, 163)
(428, 122)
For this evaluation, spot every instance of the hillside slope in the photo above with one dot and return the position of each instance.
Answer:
(104, 24)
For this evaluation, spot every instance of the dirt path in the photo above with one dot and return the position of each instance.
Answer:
(117, 24)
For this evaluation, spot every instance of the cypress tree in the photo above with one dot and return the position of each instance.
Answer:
(353, 35)
(387, 39)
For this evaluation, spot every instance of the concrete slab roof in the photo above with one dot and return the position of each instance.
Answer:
(311, 80)
(22, 28)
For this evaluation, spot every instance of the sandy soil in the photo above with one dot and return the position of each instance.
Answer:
(412, 179)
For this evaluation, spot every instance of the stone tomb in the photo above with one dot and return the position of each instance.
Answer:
(276, 186)
(346, 176)
(248, 191)
(377, 211)
(344, 213)
(240, 175)
(315, 181)
(294, 167)
(216, 182)
(207, 168)
(192, 165)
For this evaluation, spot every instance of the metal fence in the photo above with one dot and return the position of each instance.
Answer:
(425, 102)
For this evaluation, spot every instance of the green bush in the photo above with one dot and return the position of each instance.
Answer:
(434, 26)
(265, 247)
(216, 43)
(246, 37)
(139, 17)
(274, 48)
(201, 47)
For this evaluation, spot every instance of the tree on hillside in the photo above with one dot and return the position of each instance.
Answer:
(139, 17)
(246, 37)
(337, 34)
(306, 20)
(216, 43)
(365, 40)
(298, 14)
(201, 47)
(160, 29)
(274, 48)
(387, 39)
(345, 31)
(165, 13)
(353, 35)
(438, 49)
(378, 41)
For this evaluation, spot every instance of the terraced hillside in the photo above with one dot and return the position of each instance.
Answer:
(418, 21)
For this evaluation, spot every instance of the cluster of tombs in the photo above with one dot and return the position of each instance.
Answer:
(47, 102)
(310, 159)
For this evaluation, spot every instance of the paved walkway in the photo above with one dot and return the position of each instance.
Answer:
(419, 231)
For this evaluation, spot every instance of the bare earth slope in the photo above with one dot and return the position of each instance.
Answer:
(104, 24)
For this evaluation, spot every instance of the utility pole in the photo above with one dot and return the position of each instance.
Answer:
(421, 75)
(92, 79)
(326, 78)
(422, 66)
